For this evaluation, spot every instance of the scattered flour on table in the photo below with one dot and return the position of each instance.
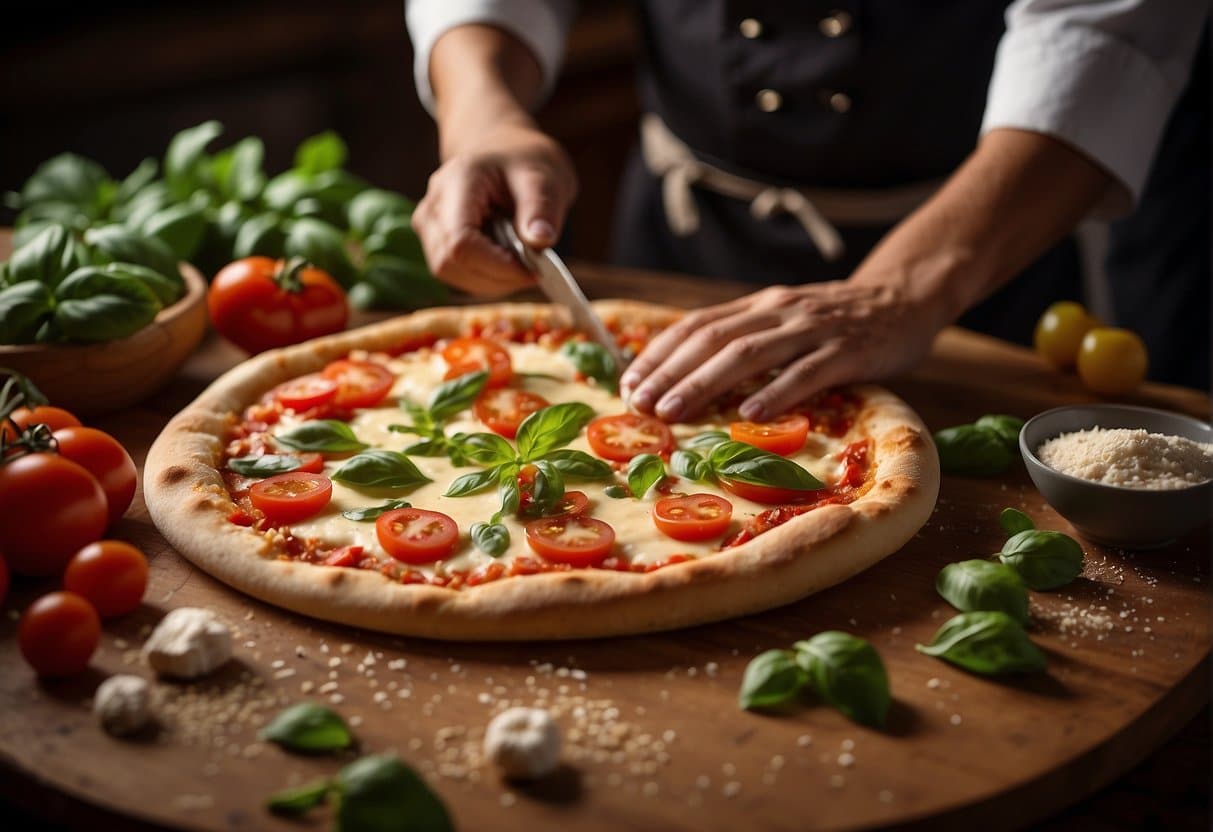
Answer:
(1130, 458)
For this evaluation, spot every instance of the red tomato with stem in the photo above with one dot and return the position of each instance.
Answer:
(572, 539)
(305, 392)
(359, 383)
(259, 304)
(53, 417)
(468, 355)
(692, 518)
(104, 457)
(619, 438)
(49, 508)
(784, 436)
(503, 409)
(416, 536)
(58, 634)
(109, 574)
(289, 498)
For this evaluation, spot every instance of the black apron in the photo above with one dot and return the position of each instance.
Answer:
(878, 94)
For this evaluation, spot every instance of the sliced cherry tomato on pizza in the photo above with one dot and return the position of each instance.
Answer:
(572, 504)
(344, 556)
(784, 436)
(575, 540)
(310, 464)
(54, 418)
(109, 574)
(416, 536)
(622, 437)
(468, 355)
(359, 383)
(58, 634)
(306, 392)
(104, 457)
(289, 498)
(768, 495)
(694, 517)
(503, 409)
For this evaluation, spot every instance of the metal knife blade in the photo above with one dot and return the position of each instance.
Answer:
(558, 283)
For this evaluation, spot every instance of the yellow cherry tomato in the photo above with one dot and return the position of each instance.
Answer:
(1112, 360)
(1060, 330)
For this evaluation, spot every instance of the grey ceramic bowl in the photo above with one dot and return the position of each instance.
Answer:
(1130, 518)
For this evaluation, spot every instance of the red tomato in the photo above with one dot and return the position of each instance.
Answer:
(622, 437)
(504, 408)
(467, 355)
(417, 536)
(3, 579)
(344, 556)
(110, 574)
(694, 517)
(289, 498)
(310, 463)
(102, 456)
(359, 383)
(784, 436)
(49, 508)
(575, 540)
(306, 392)
(766, 494)
(53, 417)
(58, 634)
(572, 504)
(259, 304)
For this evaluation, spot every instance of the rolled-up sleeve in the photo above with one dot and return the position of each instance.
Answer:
(542, 25)
(1100, 75)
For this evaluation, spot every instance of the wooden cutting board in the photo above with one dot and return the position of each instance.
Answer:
(654, 739)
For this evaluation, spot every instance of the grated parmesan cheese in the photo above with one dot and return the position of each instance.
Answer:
(1129, 458)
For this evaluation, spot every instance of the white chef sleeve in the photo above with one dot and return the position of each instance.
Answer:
(542, 25)
(1100, 75)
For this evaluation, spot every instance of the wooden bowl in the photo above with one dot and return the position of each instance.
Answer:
(100, 378)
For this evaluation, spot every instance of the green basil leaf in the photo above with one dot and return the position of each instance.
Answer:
(975, 585)
(1044, 559)
(707, 440)
(266, 465)
(24, 307)
(180, 227)
(690, 465)
(308, 727)
(579, 465)
(138, 179)
(324, 151)
(644, 471)
(427, 447)
(391, 282)
(261, 234)
(456, 395)
(593, 360)
(298, 800)
(93, 305)
(551, 427)
(547, 487)
(1014, 521)
(166, 290)
(1007, 427)
(185, 156)
(745, 463)
(380, 469)
(47, 258)
(67, 178)
(486, 448)
(243, 178)
(118, 244)
(508, 490)
(972, 451)
(373, 205)
(771, 678)
(397, 238)
(472, 483)
(142, 205)
(381, 794)
(847, 672)
(321, 244)
(491, 538)
(323, 435)
(616, 492)
(362, 515)
(985, 642)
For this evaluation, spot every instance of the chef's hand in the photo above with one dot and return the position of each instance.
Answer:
(821, 334)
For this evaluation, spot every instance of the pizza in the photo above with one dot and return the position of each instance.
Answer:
(471, 474)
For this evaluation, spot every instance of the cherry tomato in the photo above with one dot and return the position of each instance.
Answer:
(1112, 360)
(310, 463)
(504, 408)
(622, 437)
(259, 304)
(306, 392)
(572, 504)
(766, 494)
(575, 540)
(289, 498)
(784, 436)
(58, 634)
(49, 508)
(694, 517)
(467, 355)
(1060, 330)
(3, 579)
(102, 456)
(359, 383)
(417, 536)
(53, 417)
(109, 574)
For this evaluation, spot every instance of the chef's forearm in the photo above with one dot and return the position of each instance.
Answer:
(482, 76)
(1016, 195)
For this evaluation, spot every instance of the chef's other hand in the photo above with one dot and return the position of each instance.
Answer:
(821, 334)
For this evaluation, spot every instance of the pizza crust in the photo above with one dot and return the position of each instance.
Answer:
(188, 502)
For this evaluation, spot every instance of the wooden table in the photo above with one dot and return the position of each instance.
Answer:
(1128, 648)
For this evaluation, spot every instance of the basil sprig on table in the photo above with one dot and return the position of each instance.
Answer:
(449, 399)
(975, 585)
(982, 449)
(380, 468)
(987, 642)
(1044, 559)
(363, 515)
(308, 727)
(593, 360)
(1014, 521)
(844, 670)
(266, 465)
(321, 436)
(541, 439)
(740, 462)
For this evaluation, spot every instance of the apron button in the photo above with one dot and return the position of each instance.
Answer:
(836, 24)
(839, 102)
(769, 101)
(750, 28)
